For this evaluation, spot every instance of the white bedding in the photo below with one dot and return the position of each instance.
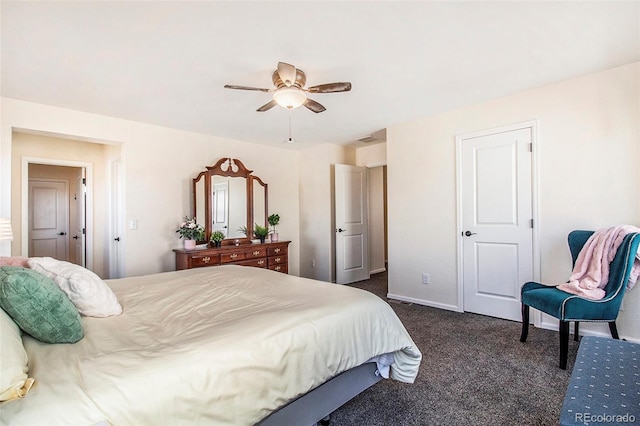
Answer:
(224, 345)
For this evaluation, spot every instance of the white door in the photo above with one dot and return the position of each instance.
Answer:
(116, 250)
(48, 219)
(352, 247)
(497, 220)
(220, 211)
(80, 222)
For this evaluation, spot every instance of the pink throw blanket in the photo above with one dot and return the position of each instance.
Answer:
(591, 272)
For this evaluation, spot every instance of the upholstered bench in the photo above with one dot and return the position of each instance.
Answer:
(605, 384)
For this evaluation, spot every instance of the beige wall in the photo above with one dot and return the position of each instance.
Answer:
(317, 225)
(588, 177)
(372, 155)
(159, 164)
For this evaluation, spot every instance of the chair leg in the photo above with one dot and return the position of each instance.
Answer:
(564, 343)
(525, 323)
(614, 330)
(575, 331)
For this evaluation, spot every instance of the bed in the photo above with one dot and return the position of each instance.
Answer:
(226, 345)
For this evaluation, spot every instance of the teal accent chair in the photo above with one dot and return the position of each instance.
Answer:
(568, 307)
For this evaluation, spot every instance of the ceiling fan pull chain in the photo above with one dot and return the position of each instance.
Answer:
(290, 138)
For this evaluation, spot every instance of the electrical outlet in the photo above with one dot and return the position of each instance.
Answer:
(425, 278)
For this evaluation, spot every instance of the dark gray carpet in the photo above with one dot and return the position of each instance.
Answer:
(474, 371)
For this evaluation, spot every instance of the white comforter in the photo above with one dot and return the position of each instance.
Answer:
(224, 345)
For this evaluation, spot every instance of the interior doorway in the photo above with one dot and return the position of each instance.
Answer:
(49, 218)
(361, 222)
(55, 210)
(377, 196)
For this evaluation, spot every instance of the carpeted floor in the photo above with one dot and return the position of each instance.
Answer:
(474, 371)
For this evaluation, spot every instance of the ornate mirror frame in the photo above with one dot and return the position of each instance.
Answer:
(227, 167)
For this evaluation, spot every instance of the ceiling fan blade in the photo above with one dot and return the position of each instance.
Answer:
(231, 86)
(267, 106)
(314, 106)
(287, 73)
(330, 88)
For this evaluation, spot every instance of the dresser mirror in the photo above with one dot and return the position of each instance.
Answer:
(227, 197)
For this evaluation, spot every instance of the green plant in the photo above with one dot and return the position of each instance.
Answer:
(244, 230)
(190, 230)
(217, 236)
(273, 220)
(260, 231)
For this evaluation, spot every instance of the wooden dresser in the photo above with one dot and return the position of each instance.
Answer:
(268, 255)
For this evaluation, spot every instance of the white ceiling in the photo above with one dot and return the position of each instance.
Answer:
(166, 63)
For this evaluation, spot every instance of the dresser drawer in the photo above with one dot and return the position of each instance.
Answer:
(282, 267)
(205, 260)
(277, 260)
(231, 257)
(256, 263)
(277, 251)
(257, 252)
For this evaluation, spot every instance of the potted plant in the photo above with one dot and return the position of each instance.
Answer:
(273, 220)
(260, 232)
(216, 238)
(191, 232)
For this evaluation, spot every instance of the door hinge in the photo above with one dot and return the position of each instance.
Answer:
(530, 146)
(531, 222)
(84, 231)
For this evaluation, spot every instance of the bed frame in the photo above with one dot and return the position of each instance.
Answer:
(318, 404)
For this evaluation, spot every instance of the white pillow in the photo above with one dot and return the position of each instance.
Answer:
(14, 382)
(86, 290)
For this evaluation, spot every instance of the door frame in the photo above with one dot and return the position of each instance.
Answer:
(533, 126)
(24, 220)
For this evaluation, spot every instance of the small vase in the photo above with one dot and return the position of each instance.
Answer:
(274, 237)
(189, 244)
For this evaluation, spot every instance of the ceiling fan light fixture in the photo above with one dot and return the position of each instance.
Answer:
(289, 97)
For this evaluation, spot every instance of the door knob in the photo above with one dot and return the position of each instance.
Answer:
(469, 233)
(62, 233)
(116, 239)
(340, 230)
(75, 237)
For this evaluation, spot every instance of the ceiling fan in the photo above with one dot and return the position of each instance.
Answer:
(289, 91)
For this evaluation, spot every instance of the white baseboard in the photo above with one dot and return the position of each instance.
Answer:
(377, 271)
(424, 302)
(584, 331)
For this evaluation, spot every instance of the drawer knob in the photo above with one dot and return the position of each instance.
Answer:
(261, 262)
(256, 253)
(206, 259)
(277, 268)
(277, 250)
(277, 259)
(233, 256)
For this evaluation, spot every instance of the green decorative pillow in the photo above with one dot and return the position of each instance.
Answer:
(38, 306)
